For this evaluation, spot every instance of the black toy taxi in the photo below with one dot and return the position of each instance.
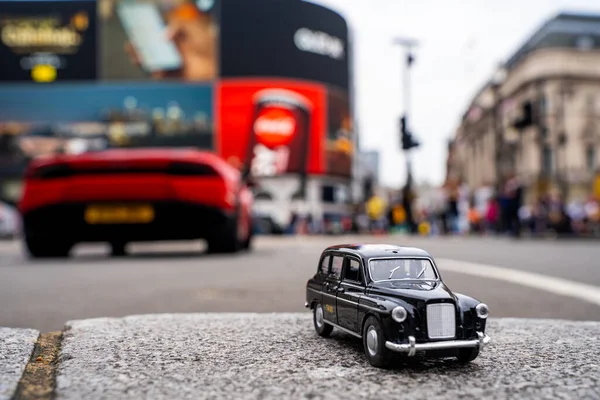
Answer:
(394, 299)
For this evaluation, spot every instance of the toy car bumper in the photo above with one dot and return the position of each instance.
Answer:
(412, 347)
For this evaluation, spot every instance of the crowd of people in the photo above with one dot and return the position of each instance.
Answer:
(484, 212)
(458, 210)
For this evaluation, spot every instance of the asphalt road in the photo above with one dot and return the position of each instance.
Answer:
(180, 278)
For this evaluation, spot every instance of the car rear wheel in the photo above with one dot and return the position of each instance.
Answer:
(374, 344)
(247, 244)
(323, 329)
(118, 249)
(225, 238)
(467, 355)
(41, 247)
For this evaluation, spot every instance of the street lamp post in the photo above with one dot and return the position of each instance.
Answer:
(407, 141)
(408, 45)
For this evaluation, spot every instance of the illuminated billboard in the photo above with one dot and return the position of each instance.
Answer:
(46, 41)
(277, 126)
(296, 39)
(159, 39)
(281, 92)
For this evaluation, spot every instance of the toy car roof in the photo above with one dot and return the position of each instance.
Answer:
(379, 250)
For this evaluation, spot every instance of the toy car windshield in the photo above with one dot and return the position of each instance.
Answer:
(402, 269)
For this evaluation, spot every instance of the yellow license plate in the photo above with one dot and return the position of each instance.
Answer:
(119, 214)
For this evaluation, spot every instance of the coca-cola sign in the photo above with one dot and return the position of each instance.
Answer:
(275, 127)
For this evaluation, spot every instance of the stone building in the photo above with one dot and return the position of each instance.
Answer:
(539, 117)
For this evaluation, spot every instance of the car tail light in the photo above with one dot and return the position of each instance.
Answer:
(191, 169)
(50, 171)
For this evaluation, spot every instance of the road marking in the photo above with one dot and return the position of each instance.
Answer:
(564, 287)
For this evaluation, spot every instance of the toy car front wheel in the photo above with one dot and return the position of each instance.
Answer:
(323, 329)
(374, 344)
(467, 355)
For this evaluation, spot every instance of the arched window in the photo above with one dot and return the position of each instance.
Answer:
(590, 157)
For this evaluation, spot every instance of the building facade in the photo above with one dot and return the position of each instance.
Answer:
(541, 120)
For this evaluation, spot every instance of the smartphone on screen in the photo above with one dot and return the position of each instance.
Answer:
(146, 30)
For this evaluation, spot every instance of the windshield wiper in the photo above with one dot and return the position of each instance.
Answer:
(393, 270)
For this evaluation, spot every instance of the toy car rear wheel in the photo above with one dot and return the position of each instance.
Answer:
(42, 247)
(323, 329)
(374, 343)
(467, 355)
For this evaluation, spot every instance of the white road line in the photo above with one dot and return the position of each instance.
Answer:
(546, 283)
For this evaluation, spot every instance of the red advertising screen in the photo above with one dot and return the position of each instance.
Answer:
(272, 126)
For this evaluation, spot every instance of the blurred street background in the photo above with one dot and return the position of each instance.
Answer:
(175, 277)
(408, 129)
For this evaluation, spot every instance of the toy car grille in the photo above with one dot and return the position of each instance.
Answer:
(441, 321)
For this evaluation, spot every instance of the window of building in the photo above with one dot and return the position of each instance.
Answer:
(548, 165)
(590, 102)
(590, 158)
(544, 104)
(328, 194)
(334, 194)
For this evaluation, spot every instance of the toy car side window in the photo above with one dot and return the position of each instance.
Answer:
(325, 264)
(336, 267)
(352, 270)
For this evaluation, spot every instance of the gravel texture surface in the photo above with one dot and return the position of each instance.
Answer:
(279, 356)
(16, 346)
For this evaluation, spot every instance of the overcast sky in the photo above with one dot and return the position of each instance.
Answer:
(461, 43)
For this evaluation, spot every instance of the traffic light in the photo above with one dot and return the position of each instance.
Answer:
(403, 127)
(408, 142)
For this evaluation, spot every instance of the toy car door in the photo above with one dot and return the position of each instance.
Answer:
(348, 294)
(330, 287)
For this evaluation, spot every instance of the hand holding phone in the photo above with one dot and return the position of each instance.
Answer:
(150, 44)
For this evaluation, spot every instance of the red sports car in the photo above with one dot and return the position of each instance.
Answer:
(132, 195)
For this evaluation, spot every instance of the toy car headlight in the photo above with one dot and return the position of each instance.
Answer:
(399, 314)
(482, 310)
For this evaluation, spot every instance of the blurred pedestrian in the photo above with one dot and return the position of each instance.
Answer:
(492, 215)
(514, 199)
(474, 219)
(592, 213)
(376, 209)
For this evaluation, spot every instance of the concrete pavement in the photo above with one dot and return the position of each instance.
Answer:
(279, 356)
(16, 347)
